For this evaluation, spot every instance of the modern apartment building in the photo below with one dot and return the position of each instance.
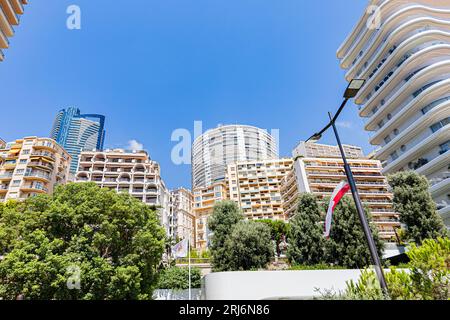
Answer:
(31, 166)
(204, 200)
(255, 187)
(10, 12)
(182, 219)
(219, 147)
(404, 54)
(132, 172)
(77, 132)
(318, 169)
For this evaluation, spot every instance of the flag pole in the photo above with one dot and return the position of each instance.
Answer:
(189, 263)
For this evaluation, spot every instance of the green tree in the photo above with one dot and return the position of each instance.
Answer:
(178, 278)
(413, 201)
(249, 246)
(225, 216)
(278, 230)
(112, 243)
(428, 277)
(347, 245)
(306, 243)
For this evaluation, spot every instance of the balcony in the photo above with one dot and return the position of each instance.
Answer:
(4, 188)
(37, 175)
(34, 188)
(47, 155)
(6, 176)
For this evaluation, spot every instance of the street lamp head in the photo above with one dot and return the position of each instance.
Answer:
(353, 88)
(315, 137)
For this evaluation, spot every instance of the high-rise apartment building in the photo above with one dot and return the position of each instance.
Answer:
(182, 219)
(10, 12)
(255, 187)
(31, 166)
(77, 132)
(219, 147)
(204, 200)
(319, 168)
(132, 172)
(402, 49)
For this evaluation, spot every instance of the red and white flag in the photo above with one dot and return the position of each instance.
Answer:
(338, 193)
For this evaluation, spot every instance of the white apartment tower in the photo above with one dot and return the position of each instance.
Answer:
(402, 49)
(219, 147)
(131, 172)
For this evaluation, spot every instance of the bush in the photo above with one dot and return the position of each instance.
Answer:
(249, 246)
(428, 277)
(177, 278)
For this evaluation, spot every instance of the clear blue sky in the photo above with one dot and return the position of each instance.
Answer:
(152, 66)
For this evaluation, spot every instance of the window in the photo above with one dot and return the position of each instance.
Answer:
(387, 139)
(444, 147)
(403, 148)
(20, 171)
(15, 183)
(27, 151)
(23, 161)
(435, 127)
(394, 155)
(396, 131)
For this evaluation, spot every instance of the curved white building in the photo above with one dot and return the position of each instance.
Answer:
(216, 148)
(402, 49)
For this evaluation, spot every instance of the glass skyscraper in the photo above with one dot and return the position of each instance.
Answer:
(76, 132)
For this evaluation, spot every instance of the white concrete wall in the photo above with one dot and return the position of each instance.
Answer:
(259, 285)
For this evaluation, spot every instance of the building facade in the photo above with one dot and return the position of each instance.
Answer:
(204, 200)
(318, 169)
(31, 166)
(132, 172)
(217, 148)
(77, 132)
(404, 55)
(256, 187)
(10, 12)
(182, 219)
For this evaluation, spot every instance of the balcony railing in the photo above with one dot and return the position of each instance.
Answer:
(37, 175)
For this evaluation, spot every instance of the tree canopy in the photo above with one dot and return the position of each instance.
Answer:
(413, 201)
(249, 246)
(346, 246)
(82, 242)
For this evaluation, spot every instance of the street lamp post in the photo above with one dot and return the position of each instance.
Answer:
(352, 90)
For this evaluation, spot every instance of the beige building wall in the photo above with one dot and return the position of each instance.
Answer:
(31, 166)
(204, 200)
(182, 215)
(255, 187)
(319, 173)
(132, 172)
(10, 12)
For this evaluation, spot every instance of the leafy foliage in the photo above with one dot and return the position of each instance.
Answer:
(225, 216)
(428, 277)
(278, 231)
(347, 245)
(249, 246)
(306, 243)
(113, 240)
(413, 201)
(178, 278)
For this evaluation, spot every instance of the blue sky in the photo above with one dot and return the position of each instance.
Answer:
(152, 66)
